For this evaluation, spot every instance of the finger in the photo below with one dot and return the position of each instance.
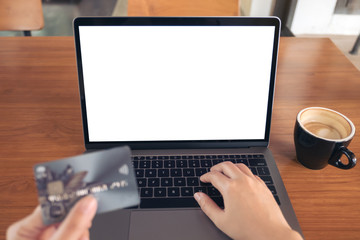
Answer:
(48, 232)
(209, 207)
(260, 180)
(217, 179)
(31, 226)
(228, 168)
(78, 220)
(243, 168)
(85, 235)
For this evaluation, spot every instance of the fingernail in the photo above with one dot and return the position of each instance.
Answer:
(88, 204)
(197, 196)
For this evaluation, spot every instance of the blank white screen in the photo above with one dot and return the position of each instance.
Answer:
(159, 83)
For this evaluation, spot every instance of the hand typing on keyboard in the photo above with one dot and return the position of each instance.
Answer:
(250, 210)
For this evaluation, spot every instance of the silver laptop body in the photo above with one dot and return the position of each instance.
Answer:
(178, 90)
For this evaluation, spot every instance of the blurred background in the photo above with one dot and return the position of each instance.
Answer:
(338, 20)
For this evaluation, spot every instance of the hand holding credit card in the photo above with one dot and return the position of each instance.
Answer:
(108, 175)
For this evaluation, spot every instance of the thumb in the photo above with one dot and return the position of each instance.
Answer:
(78, 221)
(209, 207)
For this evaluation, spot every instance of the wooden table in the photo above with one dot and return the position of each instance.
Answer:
(40, 120)
(183, 8)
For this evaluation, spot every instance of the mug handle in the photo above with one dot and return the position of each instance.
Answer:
(335, 160)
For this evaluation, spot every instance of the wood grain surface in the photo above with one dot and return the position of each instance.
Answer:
(40, 120)
(183, 8)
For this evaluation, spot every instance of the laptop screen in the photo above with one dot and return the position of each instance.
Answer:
(176, 83)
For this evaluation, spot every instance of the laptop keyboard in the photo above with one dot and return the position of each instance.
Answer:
(171, 181)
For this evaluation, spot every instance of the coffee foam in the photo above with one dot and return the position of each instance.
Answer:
(325, 123)
(324, 131)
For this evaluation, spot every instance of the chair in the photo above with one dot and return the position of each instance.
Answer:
(21, 15)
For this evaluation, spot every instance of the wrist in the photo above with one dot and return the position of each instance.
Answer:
(286, 233)
(291, 235)
(296, 235)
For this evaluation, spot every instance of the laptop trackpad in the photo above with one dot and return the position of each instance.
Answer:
(172, 224)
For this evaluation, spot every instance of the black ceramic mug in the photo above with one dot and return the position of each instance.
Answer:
(321, 137)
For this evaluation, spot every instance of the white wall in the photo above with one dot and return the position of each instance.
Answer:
(317, 17)
(257, 7)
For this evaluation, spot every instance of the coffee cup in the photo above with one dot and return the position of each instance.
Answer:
(321, 137)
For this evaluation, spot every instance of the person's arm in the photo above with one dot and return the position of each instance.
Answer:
(75, 226)
(250, 210)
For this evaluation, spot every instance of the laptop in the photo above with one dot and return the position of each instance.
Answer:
(185, 93)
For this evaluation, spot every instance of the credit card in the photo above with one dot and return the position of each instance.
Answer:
(108, 175)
